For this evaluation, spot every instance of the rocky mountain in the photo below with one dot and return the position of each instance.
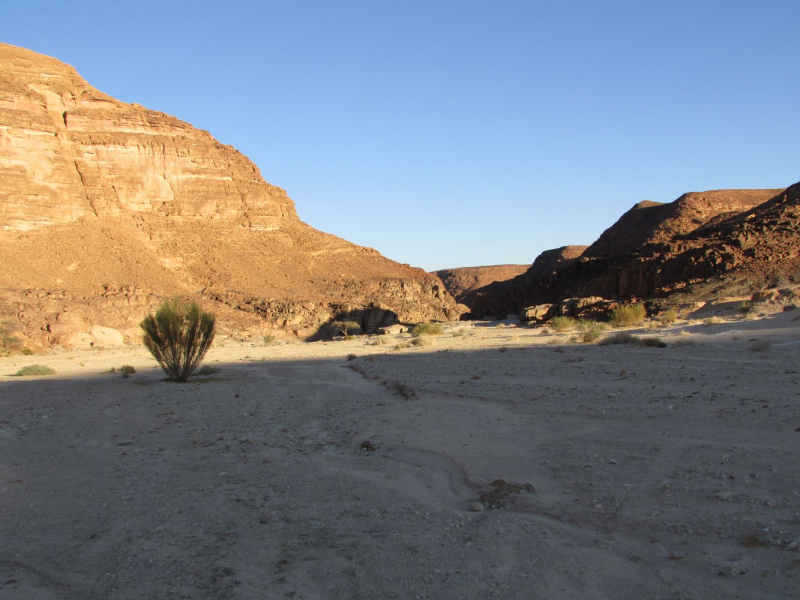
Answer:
(460, 282)
(722, 242)
(108, 207)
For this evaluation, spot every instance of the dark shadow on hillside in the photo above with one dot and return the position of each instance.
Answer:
(354, 322)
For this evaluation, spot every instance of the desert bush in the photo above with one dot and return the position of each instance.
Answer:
(744, 306)
(347, 328)
(760, 346)
(619, 338)
(562, 324)
(416, 342)
(268, 339)
(590, 331)
(125, 370)
(209, 370)
(383, 340)
(8, 342)
(653, 342)
(628, 315)
(32, 370)
(668, 317)
(427, 329)
(178, 336)
(627, 338)
(713, 321)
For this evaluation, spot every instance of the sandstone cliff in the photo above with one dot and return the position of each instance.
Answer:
(107, 207)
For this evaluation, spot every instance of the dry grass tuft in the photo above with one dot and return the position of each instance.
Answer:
(590, 331)
(419, 341)
(33, 371)
(628, 315)
(760, 346)
(383, 340)
(427, 329)
(668, 317)
(627, 338)
(562, 324)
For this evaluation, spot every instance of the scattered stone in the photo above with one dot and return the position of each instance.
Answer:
(498, 496)
(476, 507)
(368, 446)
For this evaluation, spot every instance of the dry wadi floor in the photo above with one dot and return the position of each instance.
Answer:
(652, 472)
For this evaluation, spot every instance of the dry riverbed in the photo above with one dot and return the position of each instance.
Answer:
(499, 462)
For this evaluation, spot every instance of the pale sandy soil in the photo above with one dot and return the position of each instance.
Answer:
(657, 472)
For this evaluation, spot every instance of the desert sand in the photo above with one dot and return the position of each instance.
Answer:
(347, 469)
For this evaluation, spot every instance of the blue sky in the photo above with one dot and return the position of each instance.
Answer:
(458, 133)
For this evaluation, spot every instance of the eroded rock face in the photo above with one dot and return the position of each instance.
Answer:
(69, 151)
(722, 241)
(653, 222)
(106, 208)
(460, 282)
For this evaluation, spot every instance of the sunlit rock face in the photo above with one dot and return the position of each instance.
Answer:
(68, 151)
(107, 208)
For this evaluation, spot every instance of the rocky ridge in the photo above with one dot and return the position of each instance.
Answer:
(722, 242)
(109, 207)
(460, 282)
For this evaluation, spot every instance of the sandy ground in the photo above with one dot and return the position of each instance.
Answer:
(653, 472)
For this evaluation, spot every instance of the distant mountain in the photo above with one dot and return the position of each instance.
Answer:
(461, 281)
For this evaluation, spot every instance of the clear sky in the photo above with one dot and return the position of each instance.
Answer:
(458, 133)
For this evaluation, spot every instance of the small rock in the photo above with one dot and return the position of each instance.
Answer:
(476, 507)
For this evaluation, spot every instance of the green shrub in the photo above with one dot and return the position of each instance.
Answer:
(178, 336)
(590, 331)
(32, 370)
(562, 324)
(427, 329)
(628, 315)
(269, 339)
